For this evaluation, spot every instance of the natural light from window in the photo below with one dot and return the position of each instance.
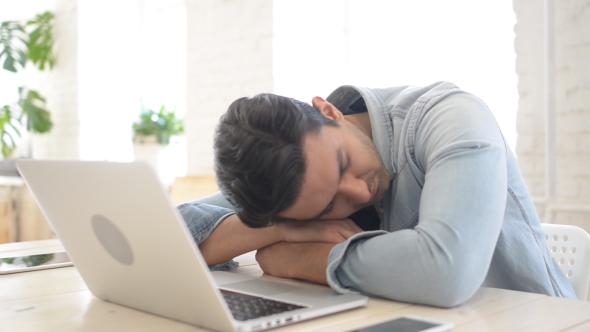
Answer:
(320, 45)
(317, 46)
(140, 61)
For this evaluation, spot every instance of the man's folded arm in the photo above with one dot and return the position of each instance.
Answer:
(220, 234)
(446, 257)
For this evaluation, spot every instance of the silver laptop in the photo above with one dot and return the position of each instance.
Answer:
(132, 247)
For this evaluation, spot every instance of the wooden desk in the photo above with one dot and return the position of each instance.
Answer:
(58, 300)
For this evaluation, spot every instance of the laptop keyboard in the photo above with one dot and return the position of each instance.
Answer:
(245, 307)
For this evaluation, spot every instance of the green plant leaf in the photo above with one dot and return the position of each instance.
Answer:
(22, 57)
(7, 130)
(34, 95)
(41, 41)
(16, 47)
(14, 128)
(12, 41)
(9, 63)
(32, 106)
(38, 119)
(163, 124)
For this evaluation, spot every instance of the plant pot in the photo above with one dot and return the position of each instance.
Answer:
(147, 149)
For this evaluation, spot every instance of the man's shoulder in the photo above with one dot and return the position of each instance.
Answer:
(350, 99)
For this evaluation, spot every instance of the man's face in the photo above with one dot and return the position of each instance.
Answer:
(344, 174)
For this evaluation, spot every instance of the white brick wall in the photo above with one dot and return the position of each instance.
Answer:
(229, 56)
(530, 145)
(572, 84)
(60, 87)
(572, 22)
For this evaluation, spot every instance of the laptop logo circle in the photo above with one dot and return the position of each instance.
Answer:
(112, 239)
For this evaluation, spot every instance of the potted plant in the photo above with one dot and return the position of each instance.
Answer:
(20, 44)
(151, 134)
(160, 126)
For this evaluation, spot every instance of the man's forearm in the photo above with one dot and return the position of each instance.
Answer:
(306, 261)
(232, 238)
(313, 263)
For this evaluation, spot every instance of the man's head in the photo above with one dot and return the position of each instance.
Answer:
(277, 158)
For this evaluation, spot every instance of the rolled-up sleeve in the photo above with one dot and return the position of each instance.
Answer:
(446, 257)
(202, 219)
(337, 255)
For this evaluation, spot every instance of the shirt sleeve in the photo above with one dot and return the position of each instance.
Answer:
(442, 261)
(202, 217)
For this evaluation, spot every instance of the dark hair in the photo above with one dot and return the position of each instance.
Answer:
(259, 160)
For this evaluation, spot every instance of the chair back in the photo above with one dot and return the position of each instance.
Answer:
(570, 248)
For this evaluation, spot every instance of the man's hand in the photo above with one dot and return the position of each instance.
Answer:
(326, 231)
(303, 253)
(232, 238)
(296, 260)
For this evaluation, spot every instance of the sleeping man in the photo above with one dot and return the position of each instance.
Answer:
(406, 193)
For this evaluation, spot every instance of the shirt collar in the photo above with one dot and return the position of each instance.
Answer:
(353, 100)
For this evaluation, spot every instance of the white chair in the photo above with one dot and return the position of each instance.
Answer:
(570, 248)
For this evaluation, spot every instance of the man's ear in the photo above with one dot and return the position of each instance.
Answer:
(327, 109)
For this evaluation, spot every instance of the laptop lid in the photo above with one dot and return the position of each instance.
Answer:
(129, 245)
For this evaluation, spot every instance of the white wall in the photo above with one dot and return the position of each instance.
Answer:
(572, 103)
(530, 69)
(322, 44)
(131, 57)
(108, 78)
(312, 47)
(229, 56)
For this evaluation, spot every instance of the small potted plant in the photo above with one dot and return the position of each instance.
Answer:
(151, 134)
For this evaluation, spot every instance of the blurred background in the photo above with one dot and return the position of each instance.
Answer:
(148, 80)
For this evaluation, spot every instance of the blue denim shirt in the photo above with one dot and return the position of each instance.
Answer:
(458, 214)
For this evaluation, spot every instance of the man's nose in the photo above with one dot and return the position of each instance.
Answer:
(355, 189)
